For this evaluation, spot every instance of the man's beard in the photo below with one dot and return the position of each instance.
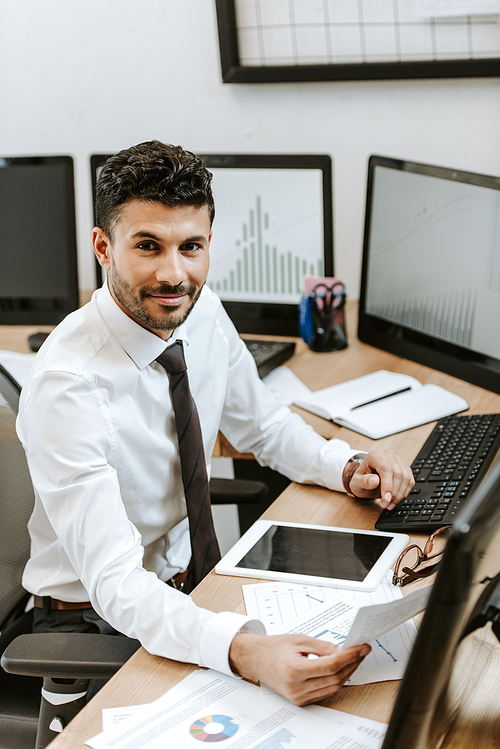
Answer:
(132, 300)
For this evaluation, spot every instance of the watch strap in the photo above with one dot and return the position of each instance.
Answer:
(350, 469)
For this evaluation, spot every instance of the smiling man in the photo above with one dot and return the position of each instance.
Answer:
(119, 452)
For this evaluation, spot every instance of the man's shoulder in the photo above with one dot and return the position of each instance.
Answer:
(74, 343)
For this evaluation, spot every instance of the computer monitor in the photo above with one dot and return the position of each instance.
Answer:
(38, 255)
(430, 284)
(273, 225)
(421, 714)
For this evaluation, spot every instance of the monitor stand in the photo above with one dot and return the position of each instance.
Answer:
(487, 609)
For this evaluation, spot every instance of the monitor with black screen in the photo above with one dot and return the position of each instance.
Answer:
(459, 601)
(38, 256)
(430, 286)
(273, 225)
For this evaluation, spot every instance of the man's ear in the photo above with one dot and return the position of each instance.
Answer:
(101, 245)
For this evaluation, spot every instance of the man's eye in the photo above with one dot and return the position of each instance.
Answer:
(147, 246)
(190, 247)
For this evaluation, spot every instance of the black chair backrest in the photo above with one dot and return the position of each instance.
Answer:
(16, 500)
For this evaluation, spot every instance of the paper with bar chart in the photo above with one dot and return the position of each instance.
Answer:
(267, 233)
(434, 258)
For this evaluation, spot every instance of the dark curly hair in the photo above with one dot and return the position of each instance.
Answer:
(155, 172)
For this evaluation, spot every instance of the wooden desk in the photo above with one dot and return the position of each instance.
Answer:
(146, 677)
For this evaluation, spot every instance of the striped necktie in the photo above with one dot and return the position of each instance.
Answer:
(204, 546)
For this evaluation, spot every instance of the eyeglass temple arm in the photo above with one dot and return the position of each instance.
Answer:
(487, 609)
(412, 575)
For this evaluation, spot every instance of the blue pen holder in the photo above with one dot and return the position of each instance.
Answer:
(322, 318)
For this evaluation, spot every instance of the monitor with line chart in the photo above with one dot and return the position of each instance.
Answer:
(273, 225)
(430, 288)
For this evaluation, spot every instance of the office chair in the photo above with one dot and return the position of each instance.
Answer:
(58, 664)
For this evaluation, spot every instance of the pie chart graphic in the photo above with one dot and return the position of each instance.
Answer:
(213, 728)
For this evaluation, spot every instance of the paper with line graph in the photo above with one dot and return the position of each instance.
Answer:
(279, 606)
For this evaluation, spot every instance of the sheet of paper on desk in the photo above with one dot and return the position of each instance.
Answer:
(285, 386)
(374, 621)
(18, 365)
(369, 730)
(372, 732)
(211, 707)
(278, 604)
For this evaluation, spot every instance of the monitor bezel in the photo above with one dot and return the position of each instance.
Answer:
(38, 313)
(398, 339)
(263, 317)
(416, 716)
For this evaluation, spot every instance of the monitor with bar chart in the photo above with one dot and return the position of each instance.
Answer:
(273, 226)
(430, 288)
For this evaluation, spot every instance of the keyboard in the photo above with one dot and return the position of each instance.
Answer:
(270, 354)
(450, 465)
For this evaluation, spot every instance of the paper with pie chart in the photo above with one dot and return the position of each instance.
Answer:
(208, 707)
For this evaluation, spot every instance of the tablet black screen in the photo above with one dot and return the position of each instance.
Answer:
(319, 553)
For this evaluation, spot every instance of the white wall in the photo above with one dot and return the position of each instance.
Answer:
(99, 75)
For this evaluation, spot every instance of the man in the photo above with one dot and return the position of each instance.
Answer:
(110, 533)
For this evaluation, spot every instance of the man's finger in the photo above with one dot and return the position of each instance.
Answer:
(333, 663)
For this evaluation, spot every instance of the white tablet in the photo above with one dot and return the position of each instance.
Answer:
(313, 554)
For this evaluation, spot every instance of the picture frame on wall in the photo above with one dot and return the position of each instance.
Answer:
(263, 41)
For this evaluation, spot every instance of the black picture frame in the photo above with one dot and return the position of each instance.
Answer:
(234, 72)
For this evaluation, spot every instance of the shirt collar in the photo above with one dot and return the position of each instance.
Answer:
(140, 344)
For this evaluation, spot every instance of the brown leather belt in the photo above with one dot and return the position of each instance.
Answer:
(177, 582)
(54, 604)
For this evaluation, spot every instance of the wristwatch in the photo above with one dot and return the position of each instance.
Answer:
(350, 469)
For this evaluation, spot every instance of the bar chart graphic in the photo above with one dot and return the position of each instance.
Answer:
(268, 234)
(450, 316)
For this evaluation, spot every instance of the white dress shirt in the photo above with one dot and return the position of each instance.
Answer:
(109, 523)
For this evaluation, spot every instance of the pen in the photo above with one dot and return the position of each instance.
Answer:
(382, 397)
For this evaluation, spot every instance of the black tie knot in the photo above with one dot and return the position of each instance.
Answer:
(173, 359)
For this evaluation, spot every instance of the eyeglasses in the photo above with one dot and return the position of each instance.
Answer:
(413, 556)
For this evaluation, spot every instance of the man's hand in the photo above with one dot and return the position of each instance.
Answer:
(384, 475)
(281, 663)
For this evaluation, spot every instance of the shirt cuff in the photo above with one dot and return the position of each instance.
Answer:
(333, 458)
(218, 635)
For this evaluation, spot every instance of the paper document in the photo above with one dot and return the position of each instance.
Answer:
(374, 621)
(370, 731)
(285, 386)
(210, 707)
(278, 604)
(18, 365)
(382, 403)
(343, 622)
(113, 716)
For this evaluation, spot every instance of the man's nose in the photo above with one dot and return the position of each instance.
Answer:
(171, 269)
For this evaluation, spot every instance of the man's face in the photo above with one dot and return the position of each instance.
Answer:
(157, 262)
